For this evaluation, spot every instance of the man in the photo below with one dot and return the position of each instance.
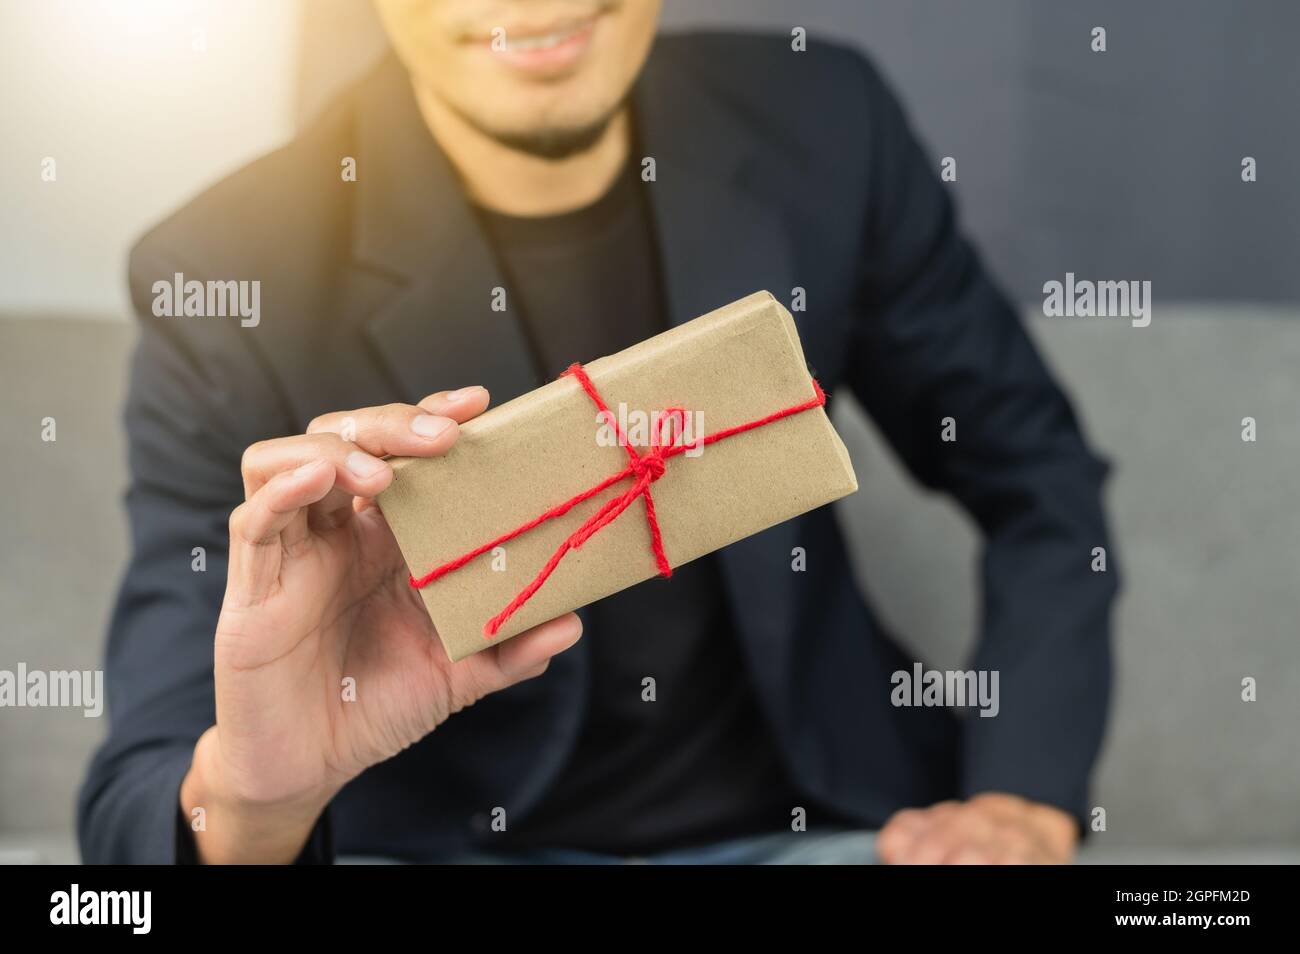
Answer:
(543, 149)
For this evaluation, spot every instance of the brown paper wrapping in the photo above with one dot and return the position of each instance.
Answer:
(737, 364)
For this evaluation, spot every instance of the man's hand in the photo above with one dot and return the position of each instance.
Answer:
(989, 829)
(318, 593)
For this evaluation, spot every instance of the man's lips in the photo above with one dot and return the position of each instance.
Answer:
(543, 50)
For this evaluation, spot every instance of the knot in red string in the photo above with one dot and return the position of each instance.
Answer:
(649, 465)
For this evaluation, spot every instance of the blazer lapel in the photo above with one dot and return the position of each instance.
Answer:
(437, 329)
(718, 240)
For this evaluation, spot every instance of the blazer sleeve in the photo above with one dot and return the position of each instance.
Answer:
(185, 443)
(941, 342)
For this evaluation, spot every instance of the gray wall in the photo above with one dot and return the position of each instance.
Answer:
(1123, 164)
(140, 105)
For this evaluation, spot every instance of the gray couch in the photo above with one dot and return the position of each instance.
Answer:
(1208, 534)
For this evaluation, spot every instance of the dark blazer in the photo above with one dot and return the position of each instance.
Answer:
(774, 169)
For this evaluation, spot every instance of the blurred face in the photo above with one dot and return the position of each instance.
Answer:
(542, 76)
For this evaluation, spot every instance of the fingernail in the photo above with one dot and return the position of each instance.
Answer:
(464, 393)
(363, 465)
(429, 425)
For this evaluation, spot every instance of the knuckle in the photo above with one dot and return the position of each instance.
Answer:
(327, 441)
(394, 415)
(238, 521)
(539, 669)
(249, 458)
(323, 444)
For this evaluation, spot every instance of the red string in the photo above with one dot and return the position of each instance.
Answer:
(646, 469)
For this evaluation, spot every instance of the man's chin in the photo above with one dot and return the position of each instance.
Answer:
(553, 142)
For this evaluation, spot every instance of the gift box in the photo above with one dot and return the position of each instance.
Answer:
(616, 472)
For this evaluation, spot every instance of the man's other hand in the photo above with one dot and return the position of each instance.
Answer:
(989, 829)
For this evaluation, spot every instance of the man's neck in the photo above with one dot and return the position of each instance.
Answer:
(516, 183)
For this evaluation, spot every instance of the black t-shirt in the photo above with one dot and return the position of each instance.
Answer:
(699, 762)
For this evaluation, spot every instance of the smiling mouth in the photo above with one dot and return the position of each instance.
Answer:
(527, 43)
(543, 51)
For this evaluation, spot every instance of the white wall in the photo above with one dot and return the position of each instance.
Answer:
(141, 103)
